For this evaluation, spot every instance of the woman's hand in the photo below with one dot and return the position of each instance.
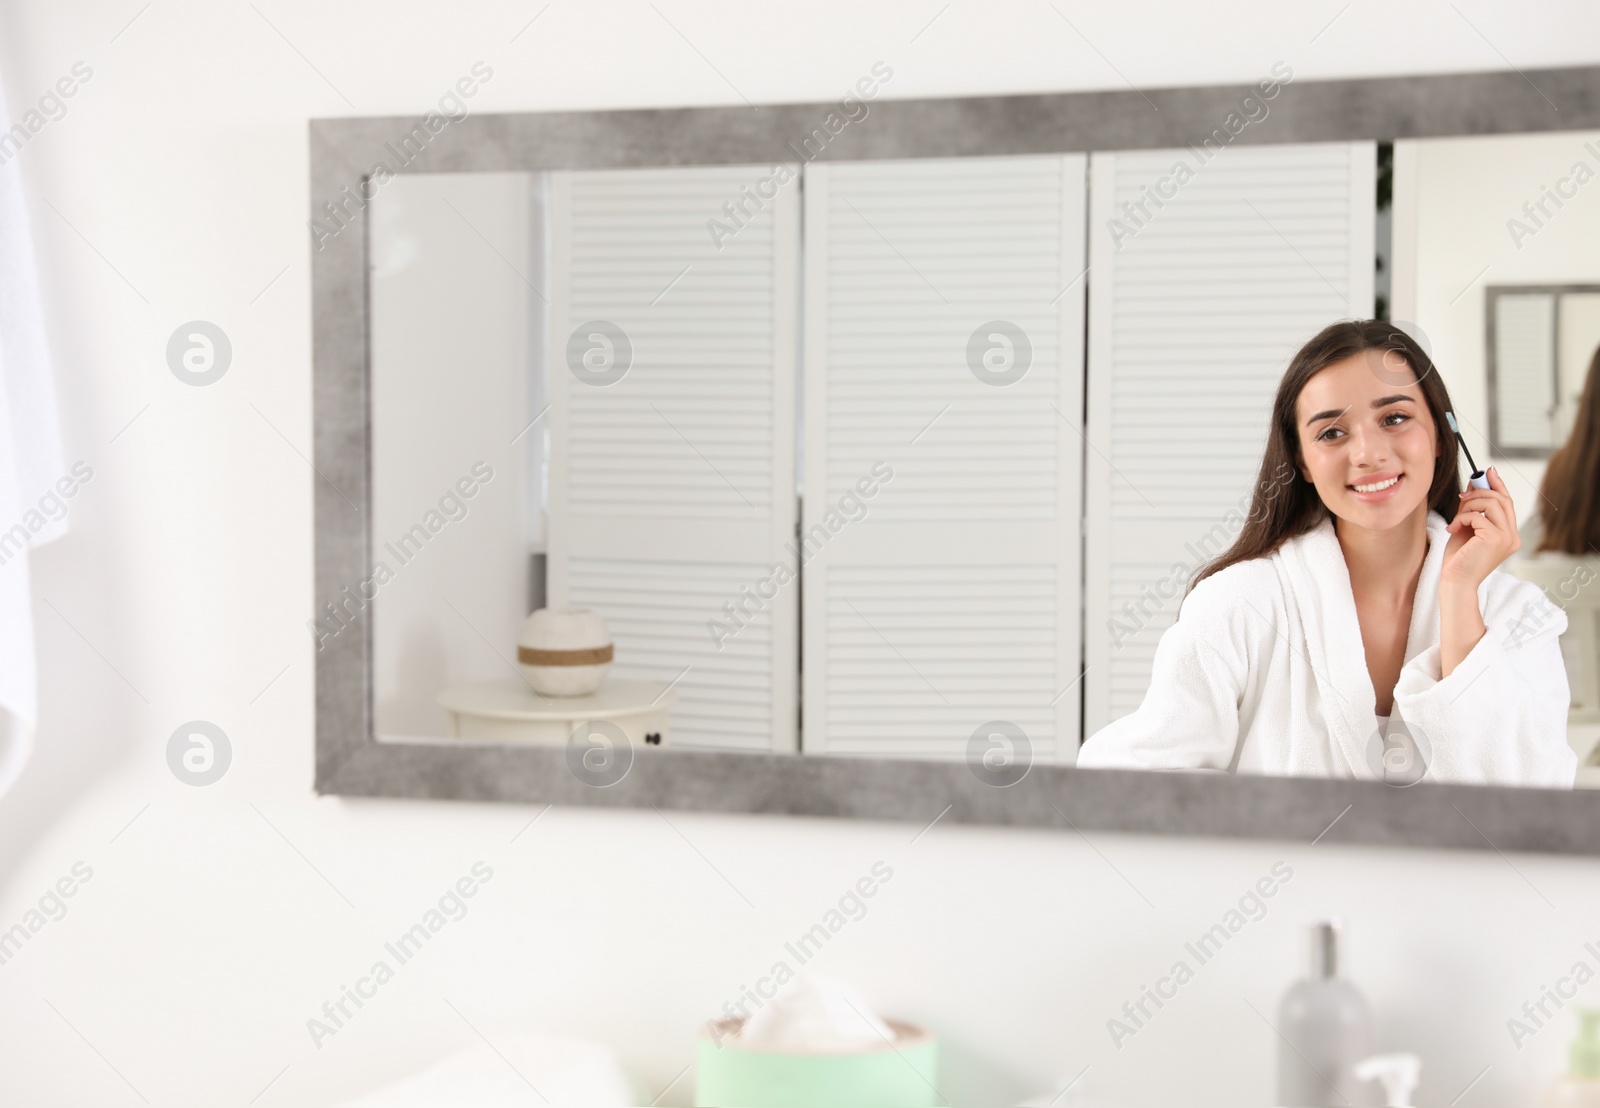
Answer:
(1483, 534)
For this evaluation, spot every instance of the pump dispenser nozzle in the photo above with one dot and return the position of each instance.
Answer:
(1325, 949)
(1398, 1074)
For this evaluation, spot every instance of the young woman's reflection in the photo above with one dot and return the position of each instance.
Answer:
(1359, 626)
(1568, 519)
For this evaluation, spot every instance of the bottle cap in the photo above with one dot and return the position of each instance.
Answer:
(1585, 1055)
(1325, 948)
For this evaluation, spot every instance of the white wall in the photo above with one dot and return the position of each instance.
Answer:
(454, 334)
(1454, 200)
(219, 919)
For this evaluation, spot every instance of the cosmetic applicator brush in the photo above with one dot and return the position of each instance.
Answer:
(1478, 480)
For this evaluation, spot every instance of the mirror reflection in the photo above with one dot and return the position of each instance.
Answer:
(922, 459)
(1541, 341)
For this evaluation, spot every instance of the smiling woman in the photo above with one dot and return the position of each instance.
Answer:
(1358, 626)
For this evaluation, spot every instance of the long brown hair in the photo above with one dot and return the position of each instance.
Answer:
(1284, 504)
(1569, 495)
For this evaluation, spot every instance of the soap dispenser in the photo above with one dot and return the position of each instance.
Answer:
(1324, 1030)
(1580, 1088)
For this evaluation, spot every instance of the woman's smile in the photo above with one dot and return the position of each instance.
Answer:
(1375, 489)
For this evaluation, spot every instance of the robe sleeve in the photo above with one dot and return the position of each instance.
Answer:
(1189, 719)
(1500, 718)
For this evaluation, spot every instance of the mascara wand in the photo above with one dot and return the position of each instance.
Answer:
(1478, 480)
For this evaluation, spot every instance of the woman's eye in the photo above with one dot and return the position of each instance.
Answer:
(1401, 416)
(1330, 431)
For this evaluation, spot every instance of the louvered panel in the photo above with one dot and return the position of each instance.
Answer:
(910, 678)
(689, 427)
(1525, 356)
(672, 489)
(1195, 310)
(918, 255)
(954, 600)
(657, 613)
(1249, 259)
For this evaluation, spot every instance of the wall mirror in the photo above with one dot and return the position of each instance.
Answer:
(1541, 342)
(880, 436)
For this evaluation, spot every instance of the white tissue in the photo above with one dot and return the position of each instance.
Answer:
(815, 1015)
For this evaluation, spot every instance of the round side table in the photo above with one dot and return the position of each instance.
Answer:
(511, 712)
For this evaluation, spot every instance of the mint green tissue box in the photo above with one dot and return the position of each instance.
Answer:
(728, 1075)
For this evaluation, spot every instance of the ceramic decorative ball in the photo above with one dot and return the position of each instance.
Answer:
(564, 651)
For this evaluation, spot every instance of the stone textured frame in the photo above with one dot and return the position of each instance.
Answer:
(350, 762)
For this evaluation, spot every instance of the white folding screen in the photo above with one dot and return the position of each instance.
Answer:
(949, 597)
(944, 543)
(1204, 281)
(672, 487)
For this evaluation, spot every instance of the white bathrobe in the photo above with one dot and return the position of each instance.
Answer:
(30, 464)
(1264, 672)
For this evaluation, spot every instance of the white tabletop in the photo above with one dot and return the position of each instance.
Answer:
(516, 700)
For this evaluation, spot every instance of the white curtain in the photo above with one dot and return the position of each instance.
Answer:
(30, 455)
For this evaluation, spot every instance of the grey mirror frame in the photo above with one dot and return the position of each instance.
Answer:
(351, 762)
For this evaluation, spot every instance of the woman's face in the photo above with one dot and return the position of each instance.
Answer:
(1367, 442)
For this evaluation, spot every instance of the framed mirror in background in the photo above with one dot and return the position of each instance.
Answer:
(1541, 342)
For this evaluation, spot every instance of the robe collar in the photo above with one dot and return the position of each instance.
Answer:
(1330, 631)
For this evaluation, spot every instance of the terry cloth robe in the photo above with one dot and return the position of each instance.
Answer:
(32, 511)
(1265, 672)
